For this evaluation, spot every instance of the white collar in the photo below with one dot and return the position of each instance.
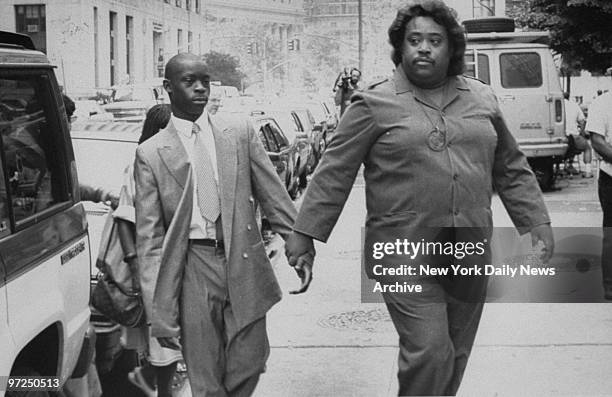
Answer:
(185, 126)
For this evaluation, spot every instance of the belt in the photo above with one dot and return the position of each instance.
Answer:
(208, 242)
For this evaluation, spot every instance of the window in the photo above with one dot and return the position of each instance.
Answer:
(188, 5)
(129, 45)
(520, 70)
(197, 6)
(189, 42)
(30, 20)
(33, 166)
(179, 41)
(113, 46)
(278, 136)
(483, 67)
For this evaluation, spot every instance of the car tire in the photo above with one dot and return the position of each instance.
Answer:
(489, 25)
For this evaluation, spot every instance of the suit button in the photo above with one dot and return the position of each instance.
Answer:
(245, 255)
(455, 177)
(251, 199)
(456, 212)
(249, 227)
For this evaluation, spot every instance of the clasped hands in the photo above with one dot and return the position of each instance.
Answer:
(300, 253)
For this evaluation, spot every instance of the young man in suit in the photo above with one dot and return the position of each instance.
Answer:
(202, 256)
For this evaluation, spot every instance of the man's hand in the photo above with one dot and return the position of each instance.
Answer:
(170, 343)
(544, 234)
(296, 245)
(304, 270)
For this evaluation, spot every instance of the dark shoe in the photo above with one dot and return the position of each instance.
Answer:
(140, 382)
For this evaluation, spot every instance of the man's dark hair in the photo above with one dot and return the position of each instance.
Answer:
(443, 16)
(157, 118)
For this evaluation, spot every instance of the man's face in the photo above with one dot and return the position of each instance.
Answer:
(188, 88)
(425, 52)
(213, 105)
(355, 75)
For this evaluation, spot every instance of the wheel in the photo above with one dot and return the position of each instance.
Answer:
(488, 25)
(26, 371)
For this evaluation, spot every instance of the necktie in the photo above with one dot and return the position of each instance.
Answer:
(208, 195)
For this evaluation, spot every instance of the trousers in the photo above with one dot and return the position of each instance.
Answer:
(436, 334)
(222, 359)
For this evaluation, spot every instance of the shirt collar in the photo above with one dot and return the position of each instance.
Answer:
(185, 127)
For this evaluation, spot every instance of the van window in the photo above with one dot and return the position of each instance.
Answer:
(33, 165)
(520, 69)
(483, 67)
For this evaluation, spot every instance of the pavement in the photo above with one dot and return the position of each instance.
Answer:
(327, 343)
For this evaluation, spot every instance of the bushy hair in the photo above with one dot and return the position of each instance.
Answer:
(157, 118)
(443, 16)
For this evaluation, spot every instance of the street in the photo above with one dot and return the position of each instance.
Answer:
(326, 342)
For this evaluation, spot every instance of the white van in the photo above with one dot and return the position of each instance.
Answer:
(520, 68)
(44, 245)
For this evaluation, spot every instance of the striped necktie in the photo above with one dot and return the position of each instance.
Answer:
(208, 194)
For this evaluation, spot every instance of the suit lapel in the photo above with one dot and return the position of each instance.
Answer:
(173, 155)
(227, 164)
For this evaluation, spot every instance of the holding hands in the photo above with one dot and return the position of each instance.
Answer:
(300, 253)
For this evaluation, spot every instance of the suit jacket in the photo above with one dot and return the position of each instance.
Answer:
(410, 180)
(164, 198)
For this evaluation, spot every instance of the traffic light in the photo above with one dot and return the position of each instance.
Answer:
(249, 48)
(293, 45)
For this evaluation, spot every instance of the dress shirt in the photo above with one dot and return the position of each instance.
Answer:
(200, 227)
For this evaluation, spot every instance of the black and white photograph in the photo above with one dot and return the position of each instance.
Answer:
(304, 198)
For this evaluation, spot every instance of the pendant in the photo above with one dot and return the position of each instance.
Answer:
(436, 140)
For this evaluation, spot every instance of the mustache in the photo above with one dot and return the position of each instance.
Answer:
(423, 59)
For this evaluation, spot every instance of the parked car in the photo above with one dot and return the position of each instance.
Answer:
(280, 149)
(307, 124)
(302, 139)
(44, 243)
(131, 102)
(90, 110)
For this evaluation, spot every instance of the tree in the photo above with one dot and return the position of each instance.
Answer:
(224, 67)
(580, 30)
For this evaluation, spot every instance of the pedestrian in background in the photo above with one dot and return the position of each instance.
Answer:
(599, 126)
(433, 144)
(346, 84)
(196, 235)
(574, 129)
(155, 377)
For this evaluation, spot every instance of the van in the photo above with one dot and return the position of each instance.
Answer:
(519, 66)
(44, 244)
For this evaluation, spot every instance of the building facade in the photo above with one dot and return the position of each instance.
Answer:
(100, 43)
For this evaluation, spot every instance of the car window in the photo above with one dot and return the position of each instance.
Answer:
(278, 136)
(33, 163)
(483, 67)
(270, 142)
(520, 69)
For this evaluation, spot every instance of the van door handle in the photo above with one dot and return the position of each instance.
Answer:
(507, 97)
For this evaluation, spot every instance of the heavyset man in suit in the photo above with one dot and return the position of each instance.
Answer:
(206, 276)
(433, 144)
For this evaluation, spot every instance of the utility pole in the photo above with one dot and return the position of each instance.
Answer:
(360, 27)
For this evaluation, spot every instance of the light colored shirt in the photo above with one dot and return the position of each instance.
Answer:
(200, 227)
(574, 117)
(600, 122)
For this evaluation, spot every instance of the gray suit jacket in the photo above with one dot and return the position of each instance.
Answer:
(164, 196)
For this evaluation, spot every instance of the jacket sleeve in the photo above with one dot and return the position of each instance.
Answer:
(335, 175)
(149, 227)
(268, 188)
(513, 179)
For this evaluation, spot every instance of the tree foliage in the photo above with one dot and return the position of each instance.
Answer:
(224, 68)
(580, 29)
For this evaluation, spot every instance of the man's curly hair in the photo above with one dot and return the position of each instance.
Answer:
(442, 15)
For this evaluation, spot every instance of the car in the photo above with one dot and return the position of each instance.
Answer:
(280, 149)
(301, 138)
(90, 110)
(44, 242)
(131, 102)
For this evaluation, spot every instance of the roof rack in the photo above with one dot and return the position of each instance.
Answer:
(510, 37)
(16, 40)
